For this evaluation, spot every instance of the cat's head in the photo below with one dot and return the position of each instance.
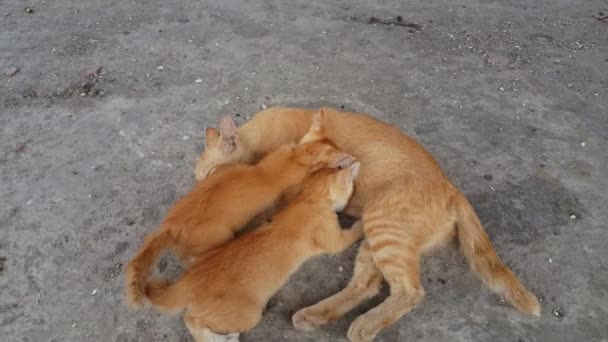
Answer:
(337, 186)
(222, 147)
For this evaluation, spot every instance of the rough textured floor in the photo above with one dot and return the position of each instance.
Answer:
(511, 96)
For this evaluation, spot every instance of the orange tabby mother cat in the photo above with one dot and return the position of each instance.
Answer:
(226, 290)
(407, 205)
(217, 207)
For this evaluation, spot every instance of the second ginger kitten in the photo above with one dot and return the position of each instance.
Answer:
(225, 291)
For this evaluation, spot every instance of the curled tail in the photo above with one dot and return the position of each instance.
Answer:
(166, 296)
(482, 257)
(139, 268)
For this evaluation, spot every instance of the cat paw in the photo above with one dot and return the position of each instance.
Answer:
(359, 331)
(304, 321)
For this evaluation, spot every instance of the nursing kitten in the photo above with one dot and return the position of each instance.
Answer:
(222, 204)
(226, 290)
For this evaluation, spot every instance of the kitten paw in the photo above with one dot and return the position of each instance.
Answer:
(304, 321)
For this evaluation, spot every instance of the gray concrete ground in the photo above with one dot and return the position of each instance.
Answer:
(511, 96)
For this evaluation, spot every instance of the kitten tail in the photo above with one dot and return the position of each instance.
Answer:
(139, 268)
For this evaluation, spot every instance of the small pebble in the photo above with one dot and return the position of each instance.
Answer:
(186, 137)
(550, 260)
(160, 67)
(264, 106)
(501, 89)
(558, 312)
(28, 10)
(490, 59)
(94, 292)
(340, 268)
(198, 80)
(583, 144)
(10, 72)
(573, 217)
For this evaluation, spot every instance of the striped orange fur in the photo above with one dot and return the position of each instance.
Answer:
(406, 203)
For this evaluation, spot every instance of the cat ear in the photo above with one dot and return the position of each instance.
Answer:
(211, 136)
(315, 132)
(353, 171)
(316, 120)
(227, 126)
(229, 135)
(341, 160)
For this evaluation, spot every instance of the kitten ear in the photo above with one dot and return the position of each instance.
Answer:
(315, 132)
(341, 160)
(229, 134)
(211, 136)
(353, 171)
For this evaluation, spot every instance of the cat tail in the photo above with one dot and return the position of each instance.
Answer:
(477, 248)
(139, 268)
(166, 296)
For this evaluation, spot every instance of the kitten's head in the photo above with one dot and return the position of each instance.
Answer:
(318, 151)
(222, 147)
(321, 154)
(335, 185)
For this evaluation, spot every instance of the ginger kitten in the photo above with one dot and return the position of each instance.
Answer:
(226, 290)
(217, 207)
